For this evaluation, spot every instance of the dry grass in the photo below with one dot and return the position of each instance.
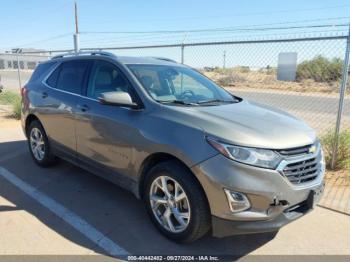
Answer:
(267, 79)
(12, 99)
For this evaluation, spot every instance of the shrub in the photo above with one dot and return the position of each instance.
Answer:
(230, 79)
(224, 71)
(17, 107)
(13, 99)
(320, 69)
(242, 69)
(268, 70)
(343, 152)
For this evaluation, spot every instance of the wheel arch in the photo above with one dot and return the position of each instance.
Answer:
(29, 119)
(155, 159)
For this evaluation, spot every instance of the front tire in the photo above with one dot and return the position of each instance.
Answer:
(176, 203)
(39, 146)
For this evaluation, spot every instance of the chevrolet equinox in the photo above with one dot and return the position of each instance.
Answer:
(199, 157)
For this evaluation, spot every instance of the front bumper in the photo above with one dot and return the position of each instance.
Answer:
(224, 227)
(274, 199)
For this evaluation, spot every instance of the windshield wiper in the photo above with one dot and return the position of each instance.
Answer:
(215, 101)
(181, 102)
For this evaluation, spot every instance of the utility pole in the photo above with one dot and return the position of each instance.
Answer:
(224, 62)
(76, 35)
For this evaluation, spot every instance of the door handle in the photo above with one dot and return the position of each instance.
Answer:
(44, 95)
(83, 108)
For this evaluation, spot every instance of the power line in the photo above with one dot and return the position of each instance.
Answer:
(228, 29)
(160, 43)
(44, 40)
(239, 26)
(137, 39)
(224, 30)
(242, 14)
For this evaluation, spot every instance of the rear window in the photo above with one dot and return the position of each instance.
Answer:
(69, 76)
(41, 71)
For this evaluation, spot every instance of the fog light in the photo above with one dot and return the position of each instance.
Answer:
(237, 201)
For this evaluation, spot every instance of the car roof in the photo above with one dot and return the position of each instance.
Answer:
(121, 59)
(146, 60)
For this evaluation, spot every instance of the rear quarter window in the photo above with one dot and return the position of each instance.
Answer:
(52, 80)
(69, 76)
(41, 71)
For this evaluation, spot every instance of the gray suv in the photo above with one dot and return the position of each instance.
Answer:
(199, 157)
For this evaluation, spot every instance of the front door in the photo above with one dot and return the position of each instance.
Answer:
(105, 133)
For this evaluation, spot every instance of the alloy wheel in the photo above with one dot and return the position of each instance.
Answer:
(170, 204)
(37, 144)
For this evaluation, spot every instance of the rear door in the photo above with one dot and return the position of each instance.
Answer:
(65, 85)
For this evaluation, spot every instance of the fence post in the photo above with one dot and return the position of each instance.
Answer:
(182, 53)
(341, 100)
(19, 70)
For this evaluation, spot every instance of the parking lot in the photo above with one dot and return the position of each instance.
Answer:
(65, 210)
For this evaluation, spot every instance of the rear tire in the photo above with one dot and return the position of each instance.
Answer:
(39, 146)
(183, 214)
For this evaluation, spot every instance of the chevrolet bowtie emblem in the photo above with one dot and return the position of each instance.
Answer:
(312, 149)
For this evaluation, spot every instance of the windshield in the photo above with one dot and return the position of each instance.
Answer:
(180, 85)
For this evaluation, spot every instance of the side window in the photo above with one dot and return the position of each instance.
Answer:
(52, 80)
(106, 77)
(150, 80)
(69, 76)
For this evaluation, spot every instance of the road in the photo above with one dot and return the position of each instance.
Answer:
(66, 210)
(318, 110)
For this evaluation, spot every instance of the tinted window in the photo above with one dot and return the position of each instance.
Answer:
(70, 76)
(40, 71)
(52, 80)
(106, 77)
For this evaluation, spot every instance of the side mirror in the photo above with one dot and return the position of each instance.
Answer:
(117, 99)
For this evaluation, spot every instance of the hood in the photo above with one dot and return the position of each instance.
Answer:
(250, 124)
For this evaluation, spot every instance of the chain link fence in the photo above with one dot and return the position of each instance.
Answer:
(250, 69)
(301, 76)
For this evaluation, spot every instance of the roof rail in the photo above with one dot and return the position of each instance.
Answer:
(101, 53)
(164, 59)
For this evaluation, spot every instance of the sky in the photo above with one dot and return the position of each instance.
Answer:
(50, 24)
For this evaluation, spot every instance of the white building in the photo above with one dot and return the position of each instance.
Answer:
(27, 58)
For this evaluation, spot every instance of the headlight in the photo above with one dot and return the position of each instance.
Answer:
(251, 156)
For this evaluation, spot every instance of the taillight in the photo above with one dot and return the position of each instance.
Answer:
(24, 91)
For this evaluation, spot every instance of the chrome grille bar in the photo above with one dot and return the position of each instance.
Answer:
(302, 178)
(302, 165)
(301, 172)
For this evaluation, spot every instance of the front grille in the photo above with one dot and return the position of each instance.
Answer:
(302, 171)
